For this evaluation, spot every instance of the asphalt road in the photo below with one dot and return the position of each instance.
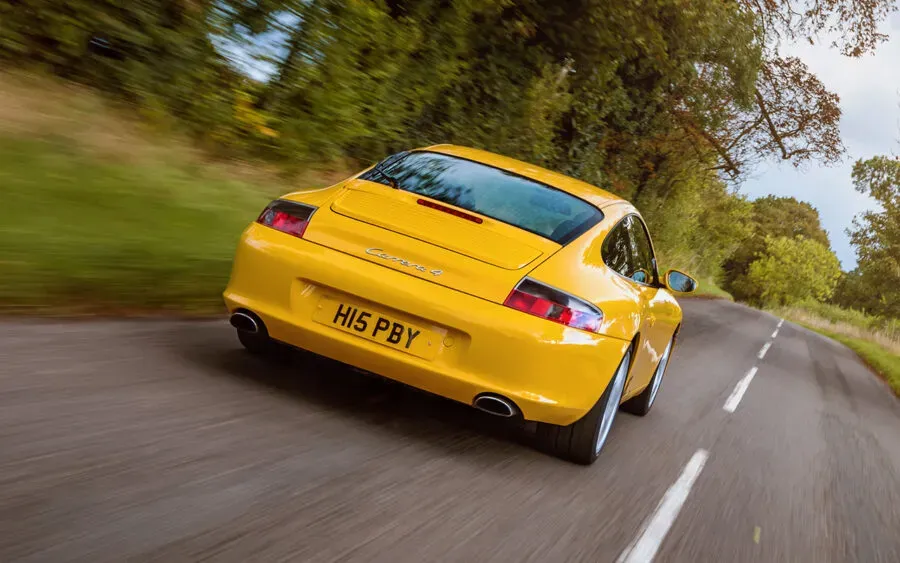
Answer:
(165, 441)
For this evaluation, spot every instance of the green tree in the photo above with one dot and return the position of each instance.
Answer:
(699, 224)
(793, 270)
(875, 286)
(789, 217)
(771, 217)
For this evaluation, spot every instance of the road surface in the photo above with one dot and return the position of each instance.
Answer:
(165, 441)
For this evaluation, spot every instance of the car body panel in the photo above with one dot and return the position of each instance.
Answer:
(663, 317)
(412, 256)
(630, 309)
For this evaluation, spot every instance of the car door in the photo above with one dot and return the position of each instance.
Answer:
(657, 323)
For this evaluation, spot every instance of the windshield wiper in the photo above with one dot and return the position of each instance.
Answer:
(391, 180)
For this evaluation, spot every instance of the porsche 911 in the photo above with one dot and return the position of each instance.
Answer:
(496, 283)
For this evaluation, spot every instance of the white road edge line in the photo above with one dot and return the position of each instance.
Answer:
(781, 322)
(765, 348)
(735, 398)
(644, 547)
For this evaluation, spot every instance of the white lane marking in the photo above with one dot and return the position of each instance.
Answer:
(781, 322)
(644, 547)
(775, 334)
(735, 398)
(765, 348)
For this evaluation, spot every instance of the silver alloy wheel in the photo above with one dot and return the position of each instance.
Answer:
(616, 386)
(660, 371)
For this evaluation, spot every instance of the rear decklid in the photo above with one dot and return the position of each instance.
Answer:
(451, 226)
(491, 241)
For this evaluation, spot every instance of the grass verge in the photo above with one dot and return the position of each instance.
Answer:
(102, 212)
(847, 323)
(708, 289)
(79, 234)
(881, 360)
(874, 339)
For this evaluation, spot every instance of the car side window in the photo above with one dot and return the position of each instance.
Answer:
(617, 251)
(644, 261)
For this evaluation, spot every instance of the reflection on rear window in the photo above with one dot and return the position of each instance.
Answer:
(498, 194)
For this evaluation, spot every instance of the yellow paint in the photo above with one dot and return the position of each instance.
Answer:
(756, 534)
(552, 372)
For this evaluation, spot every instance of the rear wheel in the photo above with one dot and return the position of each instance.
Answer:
(582, 441)
(641, 404)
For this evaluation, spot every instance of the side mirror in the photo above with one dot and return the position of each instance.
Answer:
(680, 282)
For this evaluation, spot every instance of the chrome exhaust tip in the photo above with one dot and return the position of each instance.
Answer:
(496, 405)
(244, 322)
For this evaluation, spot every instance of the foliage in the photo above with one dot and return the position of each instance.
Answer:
(698, 226)
(875, 284)
(788, 217)
(771, 217)
(839, 315)
(793, 270)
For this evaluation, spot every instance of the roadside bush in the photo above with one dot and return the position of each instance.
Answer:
(793, 270)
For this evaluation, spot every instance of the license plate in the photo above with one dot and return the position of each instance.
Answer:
(378, 327)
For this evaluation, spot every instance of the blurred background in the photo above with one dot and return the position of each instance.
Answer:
(138, 138)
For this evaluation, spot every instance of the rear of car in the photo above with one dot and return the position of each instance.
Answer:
(419, 270)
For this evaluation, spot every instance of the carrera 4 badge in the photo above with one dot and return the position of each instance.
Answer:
(379, 253)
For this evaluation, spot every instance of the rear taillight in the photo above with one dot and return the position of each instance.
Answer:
(287, 216)
(554, 305)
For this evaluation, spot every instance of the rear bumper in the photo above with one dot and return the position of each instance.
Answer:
(553, 373)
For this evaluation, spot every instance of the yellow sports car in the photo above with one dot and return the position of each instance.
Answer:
(496, 283)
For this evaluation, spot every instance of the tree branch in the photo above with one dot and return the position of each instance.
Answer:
(760, 102)
(730, 165)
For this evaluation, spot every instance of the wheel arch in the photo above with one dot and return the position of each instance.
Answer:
(634, 347)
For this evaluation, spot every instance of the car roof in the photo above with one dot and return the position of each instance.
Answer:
(583, 190)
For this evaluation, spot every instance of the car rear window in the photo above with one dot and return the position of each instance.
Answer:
(496, 193)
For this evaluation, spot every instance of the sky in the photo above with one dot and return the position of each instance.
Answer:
(869, 88)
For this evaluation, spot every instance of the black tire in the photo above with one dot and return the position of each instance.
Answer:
(577, 441)
(641, 404)
(257, 343)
